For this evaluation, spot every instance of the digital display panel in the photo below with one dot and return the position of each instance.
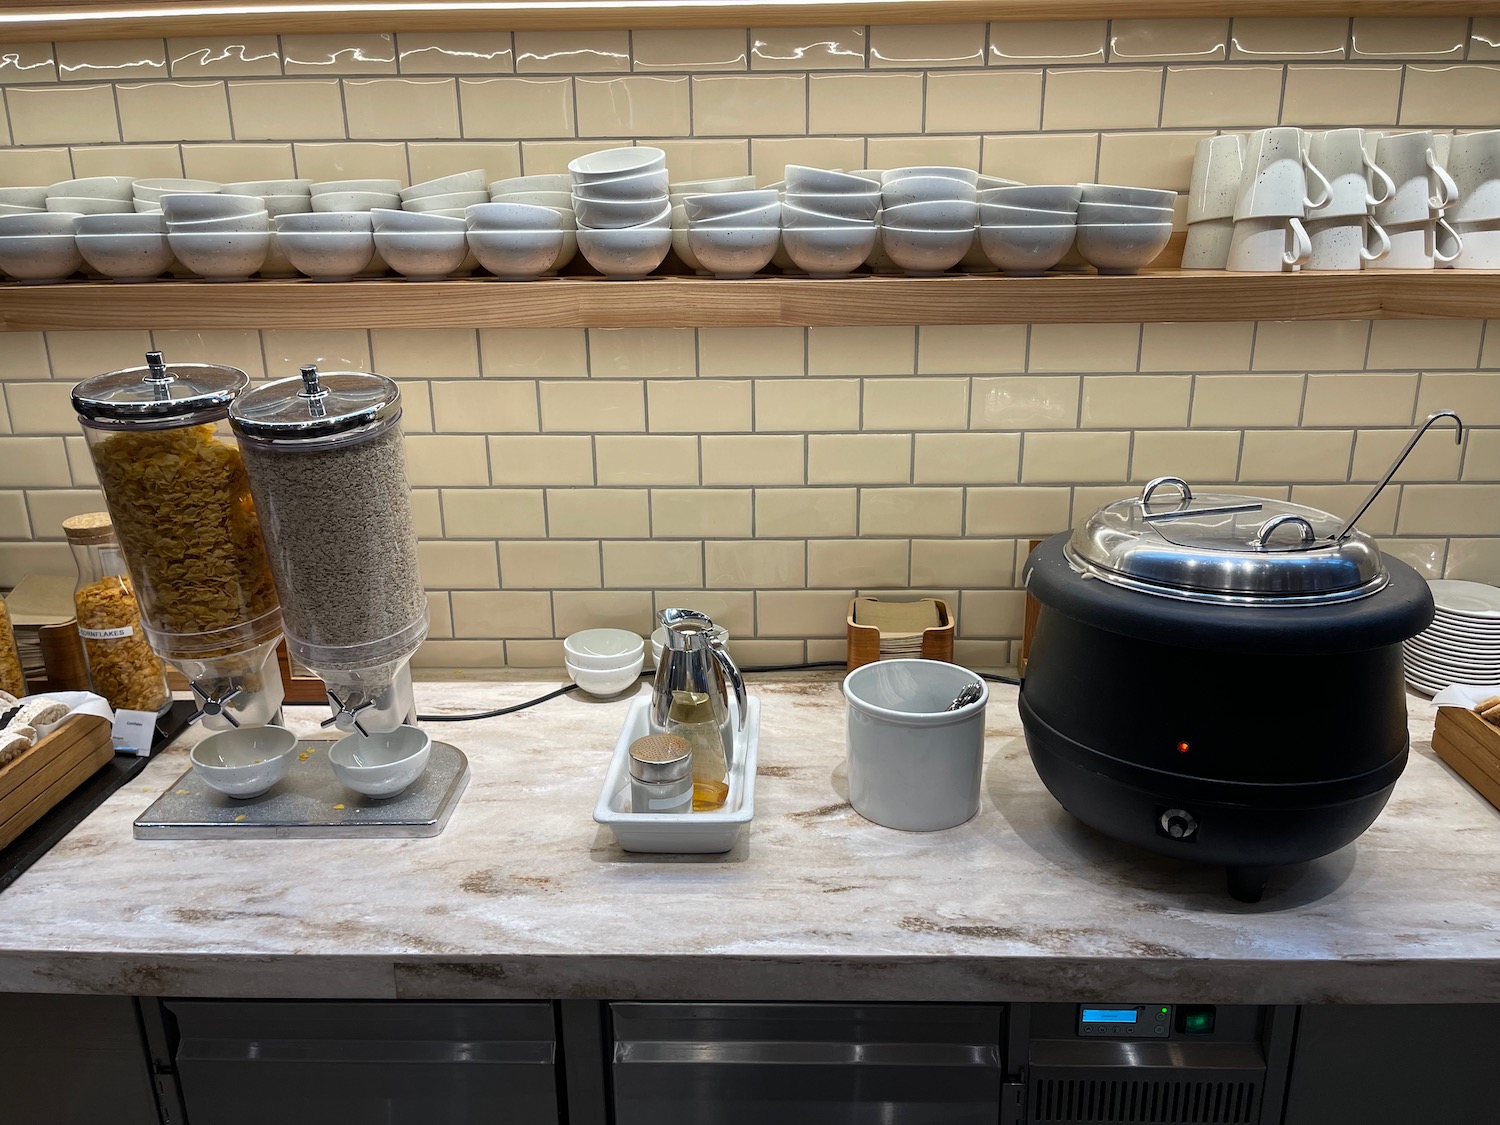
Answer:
(1110, 1015)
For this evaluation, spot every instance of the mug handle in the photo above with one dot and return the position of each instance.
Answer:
(1324, 186)
(1375, 170)
(1383, 242)
(1445, 181)
(1458, 242)
(1302, 244)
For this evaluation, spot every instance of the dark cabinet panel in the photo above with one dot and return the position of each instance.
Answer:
(311, 1063)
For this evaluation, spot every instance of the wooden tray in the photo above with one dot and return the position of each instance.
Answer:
(42, 776)
(1472, 747)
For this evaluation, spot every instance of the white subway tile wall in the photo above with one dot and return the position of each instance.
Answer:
(568, 477)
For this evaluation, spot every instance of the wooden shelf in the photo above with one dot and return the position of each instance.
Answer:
(126, 19)
(688, 302)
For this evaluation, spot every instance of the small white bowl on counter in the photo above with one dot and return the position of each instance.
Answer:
(244, 762)
(381, 764)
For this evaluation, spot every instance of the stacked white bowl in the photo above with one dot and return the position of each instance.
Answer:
(327, 245)
(733, 234)
(554, 190)
(515, 241)
(420, 245)
(1122, 229)
(623, 211)
(146, 194)
(93, 195)
(355, 195)
(22, 200)
(928, 216)
(604, 661)
(131, 247)
(828, 220)
(219, 237)
(39, 248)
(447, 195)
(1026, 230)
(678, 191)
(281, 197)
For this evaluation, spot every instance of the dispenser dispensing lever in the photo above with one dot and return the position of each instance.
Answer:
(216, 706)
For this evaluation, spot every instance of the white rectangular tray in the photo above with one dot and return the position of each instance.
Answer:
(679, 832)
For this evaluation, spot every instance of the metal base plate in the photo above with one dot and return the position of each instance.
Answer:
(309, 804)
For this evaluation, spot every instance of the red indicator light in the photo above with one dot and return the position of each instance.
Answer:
(1183, 747)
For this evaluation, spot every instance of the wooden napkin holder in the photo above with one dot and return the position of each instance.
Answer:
(1470, 745)
(864, 640)
(38, 778)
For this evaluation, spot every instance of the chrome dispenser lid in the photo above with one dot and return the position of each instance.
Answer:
(157, 393)
(317, 406)
(1226, 549)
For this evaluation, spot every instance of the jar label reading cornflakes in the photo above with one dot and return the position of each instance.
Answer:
(106, 634)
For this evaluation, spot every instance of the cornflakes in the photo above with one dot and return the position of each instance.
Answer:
(121, 664)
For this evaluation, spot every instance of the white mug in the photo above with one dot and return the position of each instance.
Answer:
(1421, 246)
(1207, 245)
(1217, 165)
(1474, 163)
(1481, 247)
(1277, 175)
(1344, 243)
(1423, 186)
(1356, 183)
(1269, 244)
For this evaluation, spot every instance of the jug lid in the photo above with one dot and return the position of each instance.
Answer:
(318, 406)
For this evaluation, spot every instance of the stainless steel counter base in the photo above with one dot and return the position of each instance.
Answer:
(309, 804)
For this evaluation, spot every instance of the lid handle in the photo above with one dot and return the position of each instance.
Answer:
(314, 392)
(1458, 437)
(1176, 482)
(1275, 523)
(158, 376)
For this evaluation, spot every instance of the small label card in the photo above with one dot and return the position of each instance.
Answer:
(133, 732)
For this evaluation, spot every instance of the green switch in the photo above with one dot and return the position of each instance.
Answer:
(1198, 1020)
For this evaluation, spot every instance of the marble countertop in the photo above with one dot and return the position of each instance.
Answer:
(525, 896)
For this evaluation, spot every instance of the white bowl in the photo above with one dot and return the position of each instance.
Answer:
(1122, 213)
(94, 187)
(1026, 251)
(767, 216)
(984, 182)
(147, 207)
(801, 178)
(470, 181)
(354, 200)
(680, 245)
(1002, 214)
(935, 214)
(551, 181)
(88, 205)
(455, 201)
(923, 189)
(387, 219)
(128, 223)
(517, 255)
(718, 634)
(126, 257)
(1047, 197)
(277, 205)
(562, 200)
(718, 204)
(512, 216)
(942, 171)
(829, 251)
(244, 762)
(21, 209)
(732, 252)
(612, 162)
(34, 197)
(1121, 247)
(423, 255)
(221, 255)
(794, 216)
(855, 205)
(154, 189)
(646, 185)
(603, 649)
(40, 222)
(327, 255)
(381, 764)
(381, 187)
(925, 253)
(200, 206)
(343, 221)
(1112, 193)
(612, 216)
(234, 224)
(627, 254)
(609, 682)
(39, 258)
(264, 188)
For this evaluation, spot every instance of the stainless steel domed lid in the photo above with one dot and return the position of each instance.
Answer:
(318, 407)
(158, 394)
(1225, 549)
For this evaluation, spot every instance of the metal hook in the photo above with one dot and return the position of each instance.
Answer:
(1458, 437)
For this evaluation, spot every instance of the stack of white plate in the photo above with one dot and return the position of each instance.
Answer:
(1462, 645)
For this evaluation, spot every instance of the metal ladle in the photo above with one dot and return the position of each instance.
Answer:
(1458, 437)
(970, 694)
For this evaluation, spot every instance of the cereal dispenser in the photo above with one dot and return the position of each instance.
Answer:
(328, 470)
(178, 496)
